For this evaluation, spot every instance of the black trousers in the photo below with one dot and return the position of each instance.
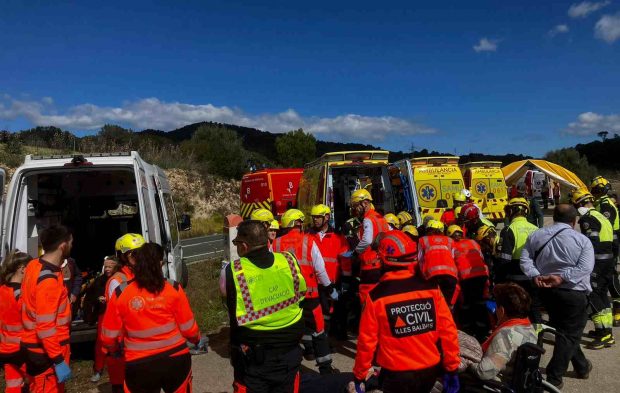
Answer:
(168, 373)
(568, 315)
(600, 280)
(472, 315)
(447, 286)
(272, 371)
(418, 381)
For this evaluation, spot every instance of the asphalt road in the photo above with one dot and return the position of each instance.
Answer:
(201, 248)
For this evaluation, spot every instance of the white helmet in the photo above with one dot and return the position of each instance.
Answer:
(466, 192)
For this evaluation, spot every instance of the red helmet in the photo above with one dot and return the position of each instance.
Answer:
(397, 249)
(469, 212)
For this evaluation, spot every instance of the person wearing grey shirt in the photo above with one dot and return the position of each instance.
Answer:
(560, 260)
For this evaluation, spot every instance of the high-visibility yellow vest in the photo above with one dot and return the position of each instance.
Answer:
(268, 299)
(521, 229)
(605, 200)
(605, 236)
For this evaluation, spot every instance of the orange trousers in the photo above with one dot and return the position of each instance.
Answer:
(14, 378)
(46, 382)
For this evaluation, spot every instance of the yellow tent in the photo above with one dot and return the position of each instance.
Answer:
(513, 172)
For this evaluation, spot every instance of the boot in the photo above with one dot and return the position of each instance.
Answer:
(328, 369)
(616, 313)
(595, 333)
(606, 341)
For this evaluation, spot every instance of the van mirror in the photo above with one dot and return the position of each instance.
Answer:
(185, 223)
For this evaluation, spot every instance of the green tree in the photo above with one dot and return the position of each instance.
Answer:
(295, 148)
(221, 149)
(570, 159)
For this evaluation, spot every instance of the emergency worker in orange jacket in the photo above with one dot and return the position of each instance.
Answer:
(410, 319)
(372, 224)
(332, 246)
(46, 313)
(474, 283)
(304, 247)
(153, 318)
(125, 247)
(12, 356)
(436, 260)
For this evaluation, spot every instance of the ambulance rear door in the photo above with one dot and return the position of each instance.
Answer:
(2, 199)
(255, 193)
(403, 185)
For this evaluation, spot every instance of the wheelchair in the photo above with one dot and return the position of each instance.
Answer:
(526, 375)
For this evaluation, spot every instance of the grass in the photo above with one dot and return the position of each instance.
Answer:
(204, 226)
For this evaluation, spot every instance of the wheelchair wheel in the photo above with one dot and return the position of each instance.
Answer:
(547, 387)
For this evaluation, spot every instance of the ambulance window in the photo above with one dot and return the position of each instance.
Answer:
(172, 219)
(160, 219)
(321, 188)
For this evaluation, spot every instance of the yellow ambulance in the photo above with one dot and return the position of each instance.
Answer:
(485, 180)
(332, 178)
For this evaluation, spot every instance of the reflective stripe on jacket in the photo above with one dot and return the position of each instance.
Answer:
(300, 245)
(332, 245)
(369, 260)
(436, 256)
(149, 324)
(46, 312)
(124, 275)
(598, 229)
(268, 299)
(11, 328)
(469, 259)
(404, 322)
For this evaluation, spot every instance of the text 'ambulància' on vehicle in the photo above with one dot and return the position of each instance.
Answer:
(485, 180)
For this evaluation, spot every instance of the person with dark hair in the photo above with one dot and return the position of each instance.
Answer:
(46, 313)
(560, 261)
(11, 328)
(263, 292)
(513, 329)
(154, 319)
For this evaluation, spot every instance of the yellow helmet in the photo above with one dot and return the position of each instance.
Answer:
(452, 229)
(484, 231)
(600, 185)
(434, 224)
(460, 197)
(128, 242)
(392, 219)
(289, 218)
(404, 217)
(410, 229)
(457, 210)
(320, 210)
(520, 203)
(274, 225)
(261, 214)
(579, 196)
(360, 195)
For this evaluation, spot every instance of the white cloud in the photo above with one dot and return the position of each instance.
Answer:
(608, 28)
(486, 45)
(153, 113)
(559, 29)
(585, 8)
(590, 123)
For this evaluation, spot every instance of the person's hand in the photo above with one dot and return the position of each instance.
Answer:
(548, 281)
(348, 254)
(101, 299)
(333, 294)
(451, 383)
(63, 372)
(72, 298)
(359, 387)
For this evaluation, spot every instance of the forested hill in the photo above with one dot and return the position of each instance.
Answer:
(602, 154)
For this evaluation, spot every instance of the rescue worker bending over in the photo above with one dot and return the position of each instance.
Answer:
(600, 189)
(392, 220)
(266, 325)
(153, 318)
(46, 314)
(404, 322)
(436, 260)
(412, 232)
(474, 282)
(12, 356)
(487, 238)
(126, 247)
(404, 218)
(598, 229)
(304, 248)
(471, 220)
(449, 215)
(512, 240)
(373, 224)
(332, 245)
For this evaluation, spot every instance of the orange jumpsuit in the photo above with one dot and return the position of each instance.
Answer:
(46, 315)
(411, 320)
(436, 262)
(11, 330)
(370, 265)
(154, 329)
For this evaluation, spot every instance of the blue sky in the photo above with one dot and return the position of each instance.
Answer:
(482, 76)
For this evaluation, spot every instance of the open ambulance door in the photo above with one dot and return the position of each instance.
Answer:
(169, 228)
(2, 182)
(405, 198)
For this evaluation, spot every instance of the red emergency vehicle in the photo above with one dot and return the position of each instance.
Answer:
(272, 189)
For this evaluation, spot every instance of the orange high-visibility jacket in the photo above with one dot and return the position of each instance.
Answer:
(331, 246)
(150, 324)
(300, 245)
(436, 256)
(46, 312)
(124, 275)
(369, 258)
(410, 318)
(469, 259)
(11, 328)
